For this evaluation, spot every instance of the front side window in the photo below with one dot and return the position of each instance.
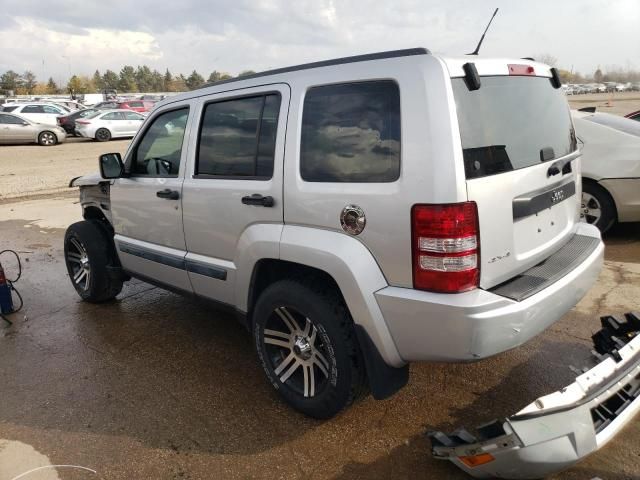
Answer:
(237, 137)
(133, 116)
(351, 133)
(113, 116)
(10, 120)
(50, 109)
(160, 149)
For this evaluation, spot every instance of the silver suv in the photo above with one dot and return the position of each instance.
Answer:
(357, 214)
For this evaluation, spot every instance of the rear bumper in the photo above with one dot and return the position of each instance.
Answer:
(559, 429)
(477, 324)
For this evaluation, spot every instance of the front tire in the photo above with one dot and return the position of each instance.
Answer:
(103, 135)
(89, 254)
(47, 139)
(307, 346)
(597, 207)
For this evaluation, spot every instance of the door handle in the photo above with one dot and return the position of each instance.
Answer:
(258, 200)
(168, 194)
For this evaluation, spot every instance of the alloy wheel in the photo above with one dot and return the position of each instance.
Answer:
(79, 261)
(590, 210)
(297, 354)
(47, 138)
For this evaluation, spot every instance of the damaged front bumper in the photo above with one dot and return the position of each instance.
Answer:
(559, 429)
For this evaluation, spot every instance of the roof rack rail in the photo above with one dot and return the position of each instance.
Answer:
(326, 63)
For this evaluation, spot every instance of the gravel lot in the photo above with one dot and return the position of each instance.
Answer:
(27, 170)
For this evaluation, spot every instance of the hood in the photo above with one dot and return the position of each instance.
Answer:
(87, 180)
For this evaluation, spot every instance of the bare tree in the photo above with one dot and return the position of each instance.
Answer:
(547, 58)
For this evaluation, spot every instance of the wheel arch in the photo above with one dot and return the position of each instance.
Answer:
(334, 257)
(596, 183)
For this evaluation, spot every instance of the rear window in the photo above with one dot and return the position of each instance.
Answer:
(511, 123)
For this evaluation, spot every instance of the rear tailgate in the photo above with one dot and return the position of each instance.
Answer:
(521, 165)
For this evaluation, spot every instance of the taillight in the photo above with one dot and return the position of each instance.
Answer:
(516, 69)
(446, 247)
(83, 122)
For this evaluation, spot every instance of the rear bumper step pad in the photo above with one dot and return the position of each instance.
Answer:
(557, 430)
(549, 271)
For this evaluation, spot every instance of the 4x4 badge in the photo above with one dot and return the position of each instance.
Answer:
(352, 219)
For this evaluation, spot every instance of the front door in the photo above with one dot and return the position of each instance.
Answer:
(234, 182)
(147, 203)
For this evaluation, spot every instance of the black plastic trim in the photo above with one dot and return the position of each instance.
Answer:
(384, 380)
(163, 258)
(534, 202)
(206, 270)
(327, 63)
(174, 261)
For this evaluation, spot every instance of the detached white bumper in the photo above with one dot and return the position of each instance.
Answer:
(559, 429)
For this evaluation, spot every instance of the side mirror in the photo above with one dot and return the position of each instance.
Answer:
(111, 165)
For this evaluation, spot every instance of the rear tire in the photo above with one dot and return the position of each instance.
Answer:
(597, 207)
(47, 139)
(307, 346)
(103, 135)
(90, 258)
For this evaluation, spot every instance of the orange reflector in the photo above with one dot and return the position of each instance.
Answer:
(477, 460)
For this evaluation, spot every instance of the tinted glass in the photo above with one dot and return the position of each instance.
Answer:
(133, 116)
(160, 148)
(509, 121)
(33, 109)
(9, 109)
(136, 104)
(351, 133)
(112, 116)
(10, 119)
(52, 109)
(237, 137)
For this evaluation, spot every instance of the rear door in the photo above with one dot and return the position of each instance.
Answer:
(147, 204)
(235, 182)
(520, 160)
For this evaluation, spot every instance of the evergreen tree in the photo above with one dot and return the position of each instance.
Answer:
(29, 82)
(194, 80)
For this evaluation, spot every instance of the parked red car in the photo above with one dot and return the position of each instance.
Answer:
(140, 106)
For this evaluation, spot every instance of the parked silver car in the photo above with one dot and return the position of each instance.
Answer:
(104, 125)
(610, 168)
(16, 129)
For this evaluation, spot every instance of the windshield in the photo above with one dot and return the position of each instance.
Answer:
(512, 122)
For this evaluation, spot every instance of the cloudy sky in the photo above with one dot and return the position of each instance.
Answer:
(234, 35)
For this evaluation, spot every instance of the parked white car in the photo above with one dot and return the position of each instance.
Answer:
(40, 112)
(107, 124)
(610, 168)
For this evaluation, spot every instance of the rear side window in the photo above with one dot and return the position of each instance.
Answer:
(237, 137)
(512, 122)
(351, 133)
(33, 109)
(9, 109)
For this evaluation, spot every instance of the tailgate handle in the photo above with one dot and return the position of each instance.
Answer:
(563, 166)
(258, 200)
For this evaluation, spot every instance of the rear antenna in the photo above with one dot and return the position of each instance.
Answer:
(475, 52)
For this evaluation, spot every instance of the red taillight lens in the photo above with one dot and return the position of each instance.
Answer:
(516, 69)
(83, 122)
(446, 247)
